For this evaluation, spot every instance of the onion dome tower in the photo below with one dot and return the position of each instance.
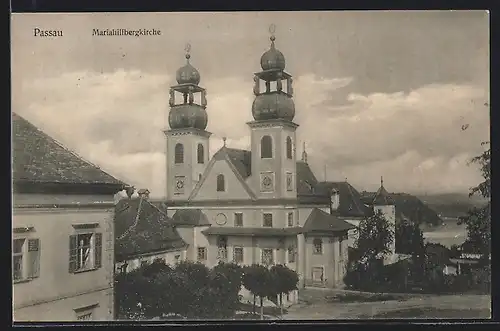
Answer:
(273, 131)
(190, 111)
(274, 102)
(187, 139)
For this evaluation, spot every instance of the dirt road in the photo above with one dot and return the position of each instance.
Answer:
(353, 310)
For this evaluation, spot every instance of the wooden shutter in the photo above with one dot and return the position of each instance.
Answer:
(98, 251)
(73, 244)
(33, 258)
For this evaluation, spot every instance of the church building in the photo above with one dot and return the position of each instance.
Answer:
(260, 205)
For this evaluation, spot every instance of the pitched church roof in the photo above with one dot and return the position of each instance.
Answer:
(190, 217)
(350, 203)
(242, 159)
(38, 158)
(142, 228)
(319, 220)
(306, 181)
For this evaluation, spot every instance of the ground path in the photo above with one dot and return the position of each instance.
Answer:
(322, 309)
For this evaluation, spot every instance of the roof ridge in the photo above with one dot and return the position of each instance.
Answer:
(135, 223)
(352, 194)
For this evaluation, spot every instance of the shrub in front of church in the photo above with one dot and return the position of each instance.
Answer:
(190, 290)
(284, 280)
(257, 279)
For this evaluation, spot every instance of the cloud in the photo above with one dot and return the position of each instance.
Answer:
(414, 139)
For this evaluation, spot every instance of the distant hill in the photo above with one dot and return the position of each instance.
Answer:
(452, 205)
(411, 206)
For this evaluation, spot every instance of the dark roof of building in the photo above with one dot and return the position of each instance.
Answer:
(142, 228)
(382, 197)
(319, 220)
(306, 181)
(190, 217)
(350, 199)
(242, 161)
(38, 158)
(408, 206)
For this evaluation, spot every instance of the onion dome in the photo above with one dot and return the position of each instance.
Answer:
(188, 74)
(273, 106)
(188, 116)
(273, 58)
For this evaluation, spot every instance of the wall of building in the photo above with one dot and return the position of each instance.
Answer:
(189, 168)
(233, 187)
(63, 309)
(53, 228)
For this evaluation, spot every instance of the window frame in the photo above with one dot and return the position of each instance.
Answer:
(85, 311)
(95, 254)
(23, 255)
(235, 255)
(264, 152)
(315, 246)
(221, 183)
(289, 217)
(236, 224)
(179, 153)
(291, 252)
(289, 148)
(200, 153)
(262, 260)
(204, 255)
(30, 254)
(264, 220)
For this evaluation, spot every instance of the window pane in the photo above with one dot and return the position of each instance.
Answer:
(268, 220)
(18, 246)
(84, 251)
(17, 267)
(290, 219)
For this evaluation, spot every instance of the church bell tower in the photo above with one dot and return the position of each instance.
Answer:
(187, 139)
(273, 130)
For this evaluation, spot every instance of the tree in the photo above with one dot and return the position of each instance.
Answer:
(258, 280)
(478, 220)
(409, 238)
(285, 281)
(375, 237)
(190, 290)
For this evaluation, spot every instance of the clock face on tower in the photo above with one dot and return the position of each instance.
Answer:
(179, 183)
(267, 182)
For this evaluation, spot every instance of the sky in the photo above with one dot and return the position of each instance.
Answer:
(403, 95)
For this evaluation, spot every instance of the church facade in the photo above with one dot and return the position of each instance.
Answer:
(261, 205)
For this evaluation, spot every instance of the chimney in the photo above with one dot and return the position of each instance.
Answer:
(334, 200)
(143, 193)
(130, 191)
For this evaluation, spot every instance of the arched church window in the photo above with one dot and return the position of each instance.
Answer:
(201, 154)
(179, 153)
(221, 184)
(266, 147)
(318, 246)
(288, 148)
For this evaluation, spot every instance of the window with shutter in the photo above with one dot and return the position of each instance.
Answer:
(34, 258)
(98, 251)
(85, 252)
(73, 239)
(18, 249)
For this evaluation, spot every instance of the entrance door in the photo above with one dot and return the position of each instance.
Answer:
(318, 275)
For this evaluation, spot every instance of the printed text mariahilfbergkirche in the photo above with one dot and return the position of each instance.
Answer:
(125, 32)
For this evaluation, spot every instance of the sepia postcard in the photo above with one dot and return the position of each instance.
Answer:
(251, 166)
